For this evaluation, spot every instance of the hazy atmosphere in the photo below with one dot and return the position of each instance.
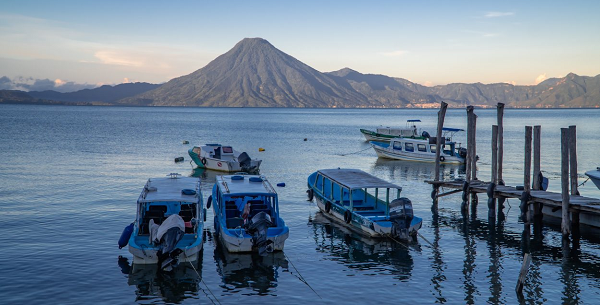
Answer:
(85, 44)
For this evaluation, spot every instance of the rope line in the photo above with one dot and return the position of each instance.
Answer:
(202, 280)
(301, 278)
(354, 152)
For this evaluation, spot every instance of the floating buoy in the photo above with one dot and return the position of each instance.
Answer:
(186, 142)
(178, 159)
(305, 139)
(281, 184)
(124, 240)
(261, 149)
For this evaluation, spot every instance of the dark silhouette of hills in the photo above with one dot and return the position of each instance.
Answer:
(106, 93)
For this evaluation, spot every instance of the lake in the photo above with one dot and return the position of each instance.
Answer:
(70, 178)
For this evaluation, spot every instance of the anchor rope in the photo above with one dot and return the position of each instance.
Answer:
(354, 152)
(202, 280)
(586, 180)
(301, 278)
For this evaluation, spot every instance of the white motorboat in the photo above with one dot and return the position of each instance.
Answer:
(594, 176)
(223, 158)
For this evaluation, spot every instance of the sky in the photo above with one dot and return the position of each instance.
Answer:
(89, 43)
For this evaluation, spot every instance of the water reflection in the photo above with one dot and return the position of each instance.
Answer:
(207, 175)
(241, 272)
(171, 287)
(411, 170)
(362, 253)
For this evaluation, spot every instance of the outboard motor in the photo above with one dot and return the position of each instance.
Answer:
(257, 227)
(245, 161)
(462, 152)
(401, 215)
(170, 232)
(425, 134)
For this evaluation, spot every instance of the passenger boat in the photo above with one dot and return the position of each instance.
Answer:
(169, 222)
(247, 216)
(385, 134)
(364, 203)
(594, 175)
(422, 149)
(223, 158)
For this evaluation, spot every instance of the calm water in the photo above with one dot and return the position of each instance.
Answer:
(70, 176)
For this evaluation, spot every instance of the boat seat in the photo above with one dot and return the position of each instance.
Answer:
(256, 211)
(161, 207)
(157, 215)
(347, 202)
(364, 208)
(232, 213)
(370, 213)
(235, 222)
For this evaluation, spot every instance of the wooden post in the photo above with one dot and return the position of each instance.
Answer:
(523, 273)
(527, 172)
(494, 178)
(441, 115)
(468, 162)
(474, 146)
(564, 179)
(573, 159)
(537, 144)
(500, 141)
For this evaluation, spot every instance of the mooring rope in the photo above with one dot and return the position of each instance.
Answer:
(354, 152)
(425, 239)
(582, 183)
(301, 278)
(200, 277)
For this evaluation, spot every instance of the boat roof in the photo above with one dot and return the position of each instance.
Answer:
(417, 120)
(452, 129)
(169, 189)
(356, 179)
(245, 184)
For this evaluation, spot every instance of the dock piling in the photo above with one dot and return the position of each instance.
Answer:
(441, 115)
(573, 159)
(500, 115)
(564, 175)
(492, 187)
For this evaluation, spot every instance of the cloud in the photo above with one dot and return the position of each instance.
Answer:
(428, 84)
(31, 84)
(511, 82)
(113, 58)
(540, 78)
(498, 14)
(394, 53)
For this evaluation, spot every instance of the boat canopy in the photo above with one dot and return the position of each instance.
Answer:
(356, 179)
(417, 120)
(170, 189)
(448, 129)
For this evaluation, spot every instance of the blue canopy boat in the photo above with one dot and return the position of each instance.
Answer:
(363, 202)
(169, 222)
(422, 149)
(247, 215)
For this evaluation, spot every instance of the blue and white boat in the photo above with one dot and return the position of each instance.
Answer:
(169, 223)
(247, 215)
(594, 175)
(422, 150)
(363, 202)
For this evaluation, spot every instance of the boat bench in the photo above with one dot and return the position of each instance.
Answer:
(370, 213)
(234, 222)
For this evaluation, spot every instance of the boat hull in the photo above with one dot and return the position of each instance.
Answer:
(221, 165)
(594, 176)
(143, 255)
(362, 225)
(389, 153)
(236, 244)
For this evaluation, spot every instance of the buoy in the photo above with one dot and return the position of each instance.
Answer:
(124, 240)
(281, 184)
(261, 149)
(186, 142)
(178, 159)
(305, 139)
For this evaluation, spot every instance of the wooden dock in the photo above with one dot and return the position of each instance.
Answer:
(549, 199)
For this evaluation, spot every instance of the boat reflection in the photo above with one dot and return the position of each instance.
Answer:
(249, 271)
(411, 170)
(171, 287)
(362, 253)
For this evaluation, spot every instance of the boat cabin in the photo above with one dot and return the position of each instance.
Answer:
(241, 197)
(163, 197)
(216, 151)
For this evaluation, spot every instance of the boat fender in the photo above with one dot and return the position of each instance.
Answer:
(490, 190)
(204, 214)
(209, 201)
(281, 184)
(347, 216)
(188, 192)
(310, 195)
(327, 206)
(179, 159)
(124, 239)
(442, 158)
(203, 161)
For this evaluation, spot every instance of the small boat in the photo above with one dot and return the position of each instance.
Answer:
(169, 222)
(385, 134)
(594, 175)
(364, 203)
(223, 158)
(247, 216)
(422, 149)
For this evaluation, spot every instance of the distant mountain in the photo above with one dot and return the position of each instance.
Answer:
(103, 94)
(254, 74)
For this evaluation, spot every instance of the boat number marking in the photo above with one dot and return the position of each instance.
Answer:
(219, 164)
